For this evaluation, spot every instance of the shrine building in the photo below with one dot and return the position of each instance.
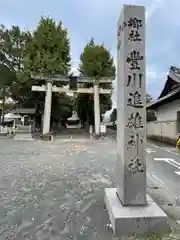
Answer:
(167, 108)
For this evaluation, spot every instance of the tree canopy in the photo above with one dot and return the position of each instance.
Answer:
(12, 47)
(11, 55)
(148, 98)
(150, 113)
(95, 62)
(7, 77)
(47, 51)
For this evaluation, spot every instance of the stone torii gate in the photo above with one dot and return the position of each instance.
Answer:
(49, 88)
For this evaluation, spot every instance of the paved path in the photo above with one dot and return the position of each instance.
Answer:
(163, 175)
(55, 191)
(164, 170)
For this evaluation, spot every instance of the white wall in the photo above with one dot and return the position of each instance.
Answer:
(166, 129)
(168, 112)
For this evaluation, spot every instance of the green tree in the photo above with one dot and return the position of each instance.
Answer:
(150, 113)
(6, 79)
(148, 98)
(47, 51)
(11, 55)
(6, 76)
(96, 62)
(63, 107)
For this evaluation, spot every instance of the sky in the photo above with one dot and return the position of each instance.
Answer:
(85, 19)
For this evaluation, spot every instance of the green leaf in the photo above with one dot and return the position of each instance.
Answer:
(6, 76)
(48, 49)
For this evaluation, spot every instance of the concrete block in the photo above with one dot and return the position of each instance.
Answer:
(138, 220)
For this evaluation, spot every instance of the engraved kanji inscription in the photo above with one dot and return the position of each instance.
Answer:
(135, 164)
(134, 80)
(134, 36)
(131, 142)
(134, 142)
(135, 121)
(133, 59)
(121, 28)
(134, 23)
(134, 100)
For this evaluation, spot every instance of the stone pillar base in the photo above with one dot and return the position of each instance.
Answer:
(97, 136)
(47, 137)
(138, 220)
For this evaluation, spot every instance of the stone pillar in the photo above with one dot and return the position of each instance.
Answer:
(47, 108)
(131, 111)
(129, 208)
(96, 109)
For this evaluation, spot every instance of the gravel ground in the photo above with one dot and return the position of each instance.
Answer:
(52, 191)
(55, 191)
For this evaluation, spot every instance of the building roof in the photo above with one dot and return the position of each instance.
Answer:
(24, 111)
(171, 90)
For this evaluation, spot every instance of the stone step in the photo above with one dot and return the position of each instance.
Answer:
(22, 131)
(25, 136)
(27, 128)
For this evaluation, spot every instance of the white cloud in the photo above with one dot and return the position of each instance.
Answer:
(152, 8)
(153, 76)
(74, 67)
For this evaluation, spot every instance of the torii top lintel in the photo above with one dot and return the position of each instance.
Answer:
(80, 79)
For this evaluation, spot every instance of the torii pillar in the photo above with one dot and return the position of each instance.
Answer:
(47, 108)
